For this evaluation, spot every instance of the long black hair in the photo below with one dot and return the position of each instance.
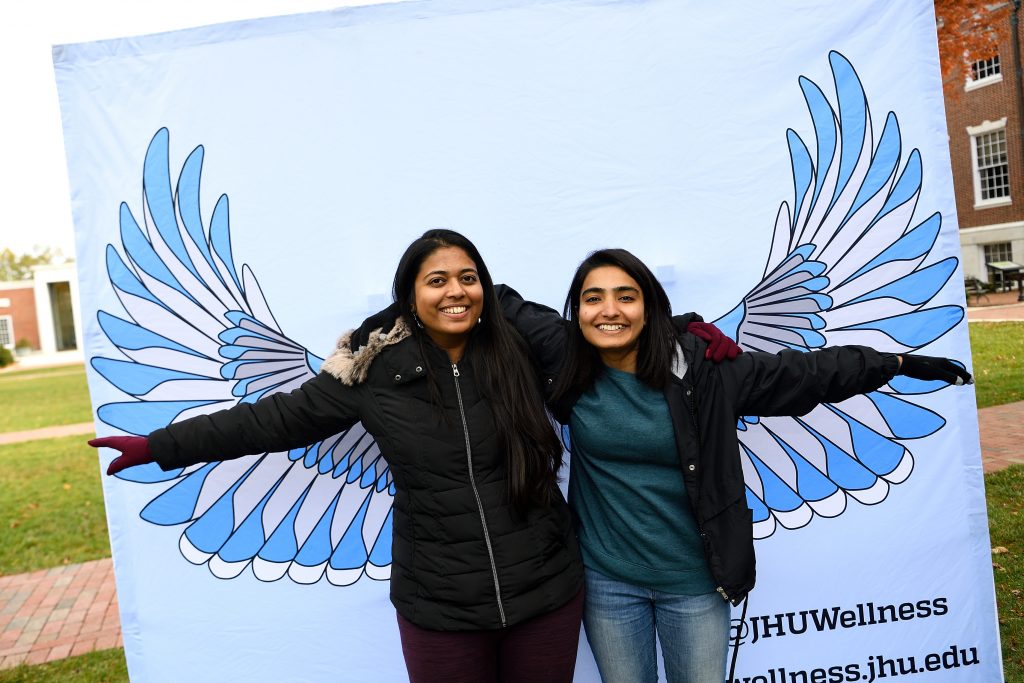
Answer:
(656, 345)
(507, 379)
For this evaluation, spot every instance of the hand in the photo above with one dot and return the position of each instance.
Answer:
(383, 321)
(720, 347)
(932, 368)
(134, 451)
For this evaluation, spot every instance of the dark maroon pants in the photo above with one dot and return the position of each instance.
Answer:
(541, 650)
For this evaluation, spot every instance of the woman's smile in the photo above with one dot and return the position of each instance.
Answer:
(611, 315)
(448, 298)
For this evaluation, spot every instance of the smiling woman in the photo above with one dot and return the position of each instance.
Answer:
(449, 299)
(486, 575)
(611, 316)
(657, 484)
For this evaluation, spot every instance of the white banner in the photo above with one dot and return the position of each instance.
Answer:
(542, 129)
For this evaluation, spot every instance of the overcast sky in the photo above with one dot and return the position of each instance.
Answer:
(34, 203)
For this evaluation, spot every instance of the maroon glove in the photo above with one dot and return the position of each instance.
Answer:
(720, 347)
(134, 451)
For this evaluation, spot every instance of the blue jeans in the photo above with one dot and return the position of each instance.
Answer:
(621, 621)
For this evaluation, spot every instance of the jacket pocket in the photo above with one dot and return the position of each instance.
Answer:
(729, 543)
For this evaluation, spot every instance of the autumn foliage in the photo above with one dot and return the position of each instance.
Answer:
(968, 30)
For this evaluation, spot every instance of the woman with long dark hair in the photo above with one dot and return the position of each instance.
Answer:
(486, 576)
(656, 485)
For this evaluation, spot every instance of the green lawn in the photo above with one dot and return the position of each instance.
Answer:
(104, 666)
(51, 505)
(1005, 491)
(997, 350)
(31, 399)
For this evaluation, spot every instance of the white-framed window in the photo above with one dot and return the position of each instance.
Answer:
(984, 72)
(993, 169)
(7, 331)
(998, 251)
(990, 163)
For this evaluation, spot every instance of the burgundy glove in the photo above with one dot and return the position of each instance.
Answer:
(134, 451)
(720, 347)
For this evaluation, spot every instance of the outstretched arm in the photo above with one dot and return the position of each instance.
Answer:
(319, 408)
(793, 382)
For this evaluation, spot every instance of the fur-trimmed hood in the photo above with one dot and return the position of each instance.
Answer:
(350, 367)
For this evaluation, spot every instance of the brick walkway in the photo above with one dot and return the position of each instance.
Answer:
(1001, 427)
(1002, 436)
(57, 613)
(996, 306)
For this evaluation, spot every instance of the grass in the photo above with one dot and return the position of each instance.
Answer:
(51, 505)
(103, 666)
(37, 398)
(997, 350)
(1005, 491)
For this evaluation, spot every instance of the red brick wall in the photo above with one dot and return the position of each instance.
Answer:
(23, 312)
(971, 108)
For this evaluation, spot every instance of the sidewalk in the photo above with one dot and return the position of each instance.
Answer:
(46, 360)
(1002, 436)
(57, 613)
(48, 433)
(67, 611)
(1002, 431)
(995, 307)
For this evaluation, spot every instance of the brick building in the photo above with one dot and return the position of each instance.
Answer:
(986, 146)
(42, 311)
(18, 323)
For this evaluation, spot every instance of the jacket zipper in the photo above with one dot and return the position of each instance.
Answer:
(692, 404)
(476, 494)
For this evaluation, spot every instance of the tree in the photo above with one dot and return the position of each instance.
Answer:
(14, 267)
(968, 30)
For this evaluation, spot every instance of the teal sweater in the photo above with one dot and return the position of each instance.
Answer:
(626, 487)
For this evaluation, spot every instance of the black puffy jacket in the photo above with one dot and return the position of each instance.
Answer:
(705, 401)
(462, 558)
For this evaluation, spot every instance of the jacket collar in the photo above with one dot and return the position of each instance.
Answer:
(686, 356)
(352, 367)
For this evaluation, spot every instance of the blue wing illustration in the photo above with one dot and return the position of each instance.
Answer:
(199, 337)
(847, 265)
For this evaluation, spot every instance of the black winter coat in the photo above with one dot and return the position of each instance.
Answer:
(705, 400)
(462, 558)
